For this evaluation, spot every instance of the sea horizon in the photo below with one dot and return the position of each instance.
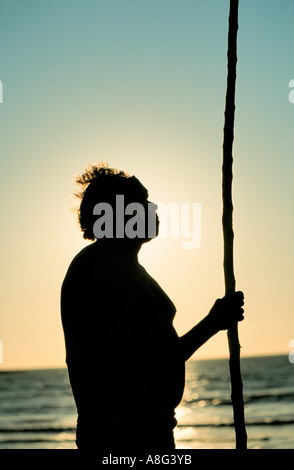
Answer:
(56, 367)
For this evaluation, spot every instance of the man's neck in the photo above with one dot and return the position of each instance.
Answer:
(126, 250)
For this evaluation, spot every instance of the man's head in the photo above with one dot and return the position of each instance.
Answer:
(121, 203)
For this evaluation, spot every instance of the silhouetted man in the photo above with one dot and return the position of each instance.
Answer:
(126, 362)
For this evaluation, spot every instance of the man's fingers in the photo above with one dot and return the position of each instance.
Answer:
(237, 314)
(241, 314)
(239, 296)
(235, 300)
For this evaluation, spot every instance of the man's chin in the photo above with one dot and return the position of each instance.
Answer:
(146, 240)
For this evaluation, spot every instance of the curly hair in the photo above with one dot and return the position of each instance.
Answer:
(101, 184)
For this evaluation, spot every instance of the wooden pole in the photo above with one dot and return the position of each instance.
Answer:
(227, 222)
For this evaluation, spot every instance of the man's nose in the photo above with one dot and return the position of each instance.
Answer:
(154, 206)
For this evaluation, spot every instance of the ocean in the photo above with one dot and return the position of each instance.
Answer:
(37, 410)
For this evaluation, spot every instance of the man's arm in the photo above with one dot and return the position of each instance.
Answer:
(224, 313)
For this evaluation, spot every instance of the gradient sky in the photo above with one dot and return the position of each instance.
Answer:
(141, 84)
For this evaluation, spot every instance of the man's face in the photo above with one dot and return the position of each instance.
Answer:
(151, 220)
(128, 215)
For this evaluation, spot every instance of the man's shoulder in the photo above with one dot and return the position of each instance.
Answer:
(84, 264)
(83, 256)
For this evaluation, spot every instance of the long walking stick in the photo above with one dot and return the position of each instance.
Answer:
(227, 222)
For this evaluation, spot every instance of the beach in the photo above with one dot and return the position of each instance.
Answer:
(37, 410)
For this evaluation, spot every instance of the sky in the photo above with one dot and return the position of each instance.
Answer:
(141, 85)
